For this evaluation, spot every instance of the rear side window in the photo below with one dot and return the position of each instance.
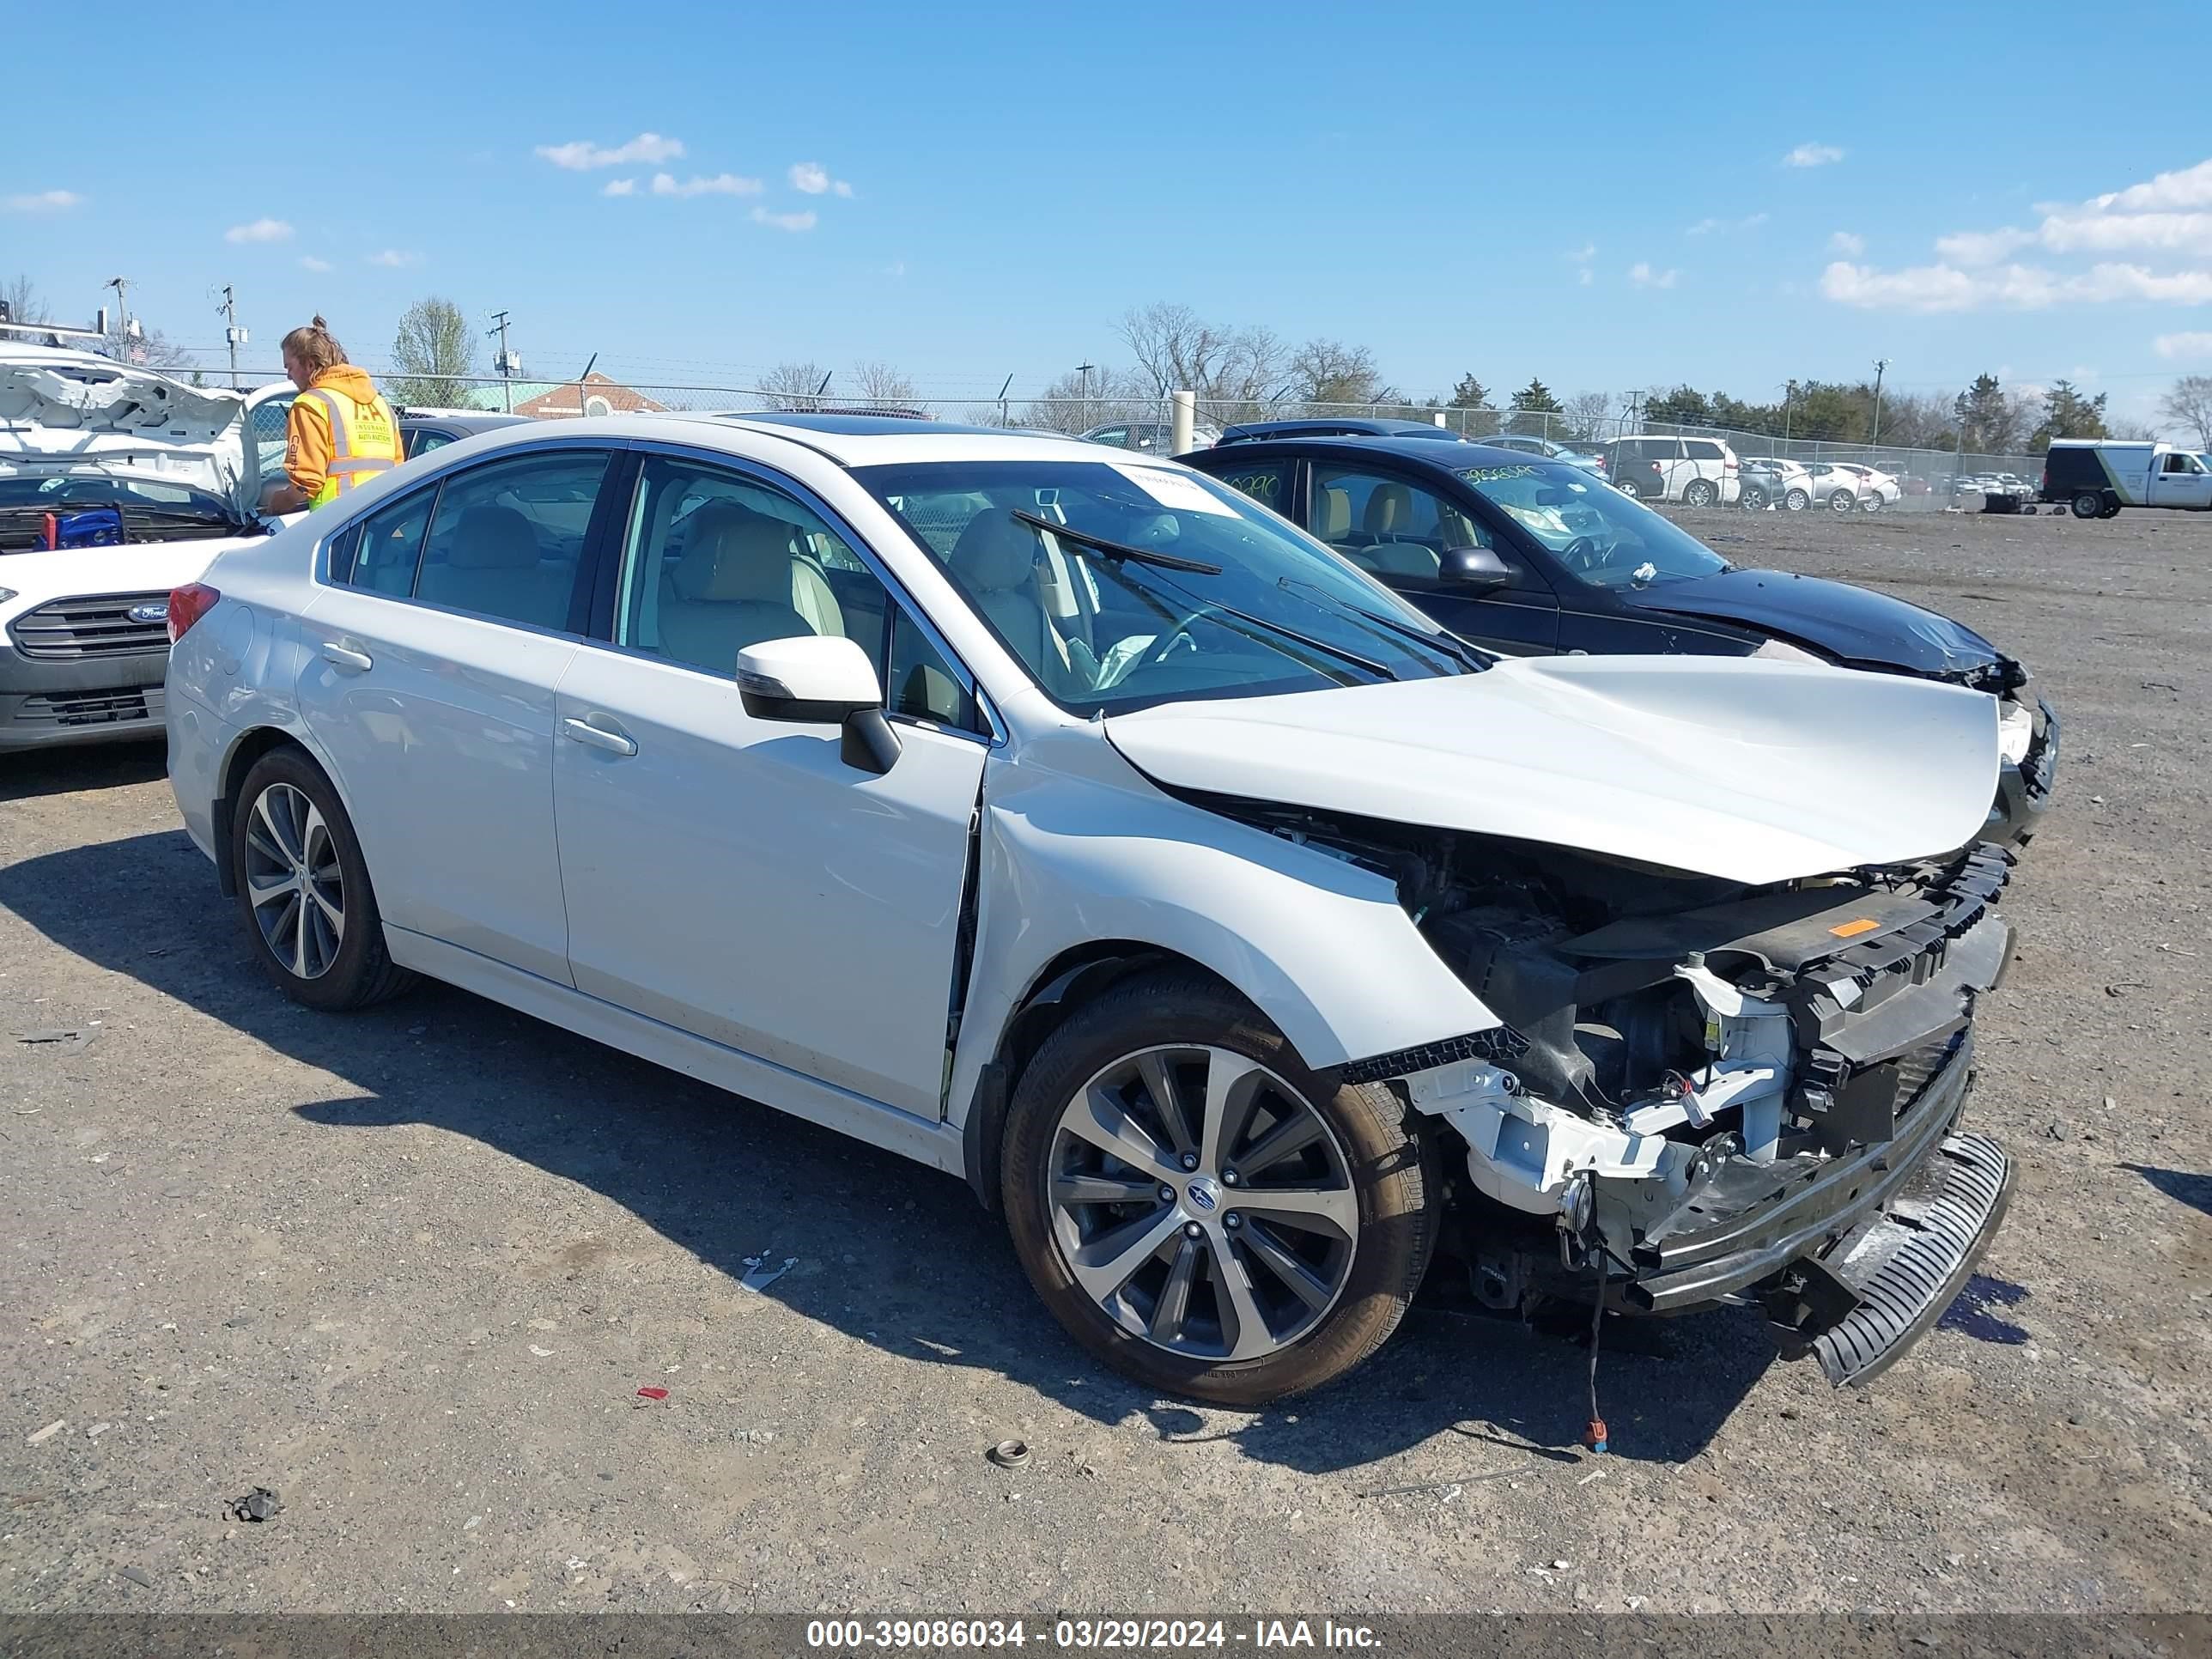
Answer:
(1701, 450)
(1267, 482)
(507, 539)
(388, 546)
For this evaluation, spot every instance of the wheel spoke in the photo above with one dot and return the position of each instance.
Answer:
(333, 915)
(1293, 1134)
(270, 890)
(299, 913)
(1102, 1189)
(283, 835)
(323, 939)
(1105, 1264)
(1102, 1121)
(1232, 1089)
(1308, 1287)
(1173, 1306)
(1244, 1327)
(1336, 1208)
(258, 842)
(1159, 1083)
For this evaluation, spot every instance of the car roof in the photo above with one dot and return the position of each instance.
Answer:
(848, 440)
(468, 420)
(1361, 425)
(1426, 450)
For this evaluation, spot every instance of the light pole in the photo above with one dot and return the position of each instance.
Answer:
(505, 363)
(233, 336)
(1881, 367)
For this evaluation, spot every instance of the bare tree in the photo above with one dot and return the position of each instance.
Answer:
(1076, 402)
(21, 295)
(1327, 372)
(2189, 405)
(435, 341)
(883, 385)
(147, 347)
(1232, 370)
(795, 386)
(1591, 417)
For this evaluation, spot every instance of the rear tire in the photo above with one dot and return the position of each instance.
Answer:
(1875, 504)
(1842, 501)
(303, 890)
(1627, 487)
(2088, 505)
(1753, 499)
(1169, 1263)
(1700, 492)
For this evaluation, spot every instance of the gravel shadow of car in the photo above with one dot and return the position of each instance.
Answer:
(915, 1265)
(64, 771)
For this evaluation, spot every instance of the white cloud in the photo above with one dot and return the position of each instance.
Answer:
(1585, 254)
(1848, 243)
(1813, 155)
(1704, 226)
(840, 188)
(44, 201)
(261, 230)
(721, 184)
(308, 262)
(1642, 276)
(581, 155)
(1585, 277)
(1752, 222)
(2020, 288)
(620, 187)
(1701, 226)
(812, 179)
(896, 270)
(394, 258)
(2183, 345)
(785, 220)
(1981, 247)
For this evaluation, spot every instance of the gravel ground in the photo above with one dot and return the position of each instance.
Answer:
(410, 1270)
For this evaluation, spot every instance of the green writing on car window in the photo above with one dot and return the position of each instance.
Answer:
(1261, 486)
(1497, 474)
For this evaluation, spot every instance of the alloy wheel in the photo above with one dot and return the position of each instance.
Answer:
(1203, 1204)
(293, 881)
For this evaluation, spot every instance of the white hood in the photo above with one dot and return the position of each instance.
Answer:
(75, 412)
(1750, 771)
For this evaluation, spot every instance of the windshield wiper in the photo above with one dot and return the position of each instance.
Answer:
(1114, 549)
(1444, 643)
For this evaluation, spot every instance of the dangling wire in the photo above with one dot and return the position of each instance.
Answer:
(1594, 1436)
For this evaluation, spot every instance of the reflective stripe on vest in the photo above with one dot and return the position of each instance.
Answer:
(348, 468)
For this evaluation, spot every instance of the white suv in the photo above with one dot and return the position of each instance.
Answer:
(117, 485)
(1064, 819)
(1695, 471)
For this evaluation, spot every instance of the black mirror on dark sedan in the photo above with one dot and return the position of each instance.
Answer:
(1466, 567)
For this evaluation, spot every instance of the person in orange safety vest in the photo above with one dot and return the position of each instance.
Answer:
(340, 432)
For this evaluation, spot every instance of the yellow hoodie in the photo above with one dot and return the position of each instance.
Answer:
(308, 446)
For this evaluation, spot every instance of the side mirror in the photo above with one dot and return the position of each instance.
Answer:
(1473, 567)
(821, 680)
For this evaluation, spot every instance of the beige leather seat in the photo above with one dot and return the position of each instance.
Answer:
(492, 567)
(1388, 524)
(1333, 516)
(738, 583)
(995, 560)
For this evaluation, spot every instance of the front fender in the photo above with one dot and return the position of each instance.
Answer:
(1077, 846)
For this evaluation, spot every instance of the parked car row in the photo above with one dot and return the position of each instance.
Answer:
(1272, 872)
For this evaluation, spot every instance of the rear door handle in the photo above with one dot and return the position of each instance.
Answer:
(347, 657)
(615, 743)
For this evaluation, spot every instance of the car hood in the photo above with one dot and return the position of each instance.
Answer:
(74, 413)
(1750, 771)
(1854, 624)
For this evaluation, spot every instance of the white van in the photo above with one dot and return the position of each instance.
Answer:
(1695, 471)
(2098, 477)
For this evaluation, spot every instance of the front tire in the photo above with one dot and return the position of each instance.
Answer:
(1842, 501)
(1203, 1212)
(1796, 500)
(303, 890)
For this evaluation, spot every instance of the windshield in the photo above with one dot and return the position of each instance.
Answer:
(1120, 584)
(1600, 536)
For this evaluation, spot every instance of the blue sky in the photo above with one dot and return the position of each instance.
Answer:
(1604, 196)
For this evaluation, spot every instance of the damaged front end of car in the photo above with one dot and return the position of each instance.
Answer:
(1703, 1092)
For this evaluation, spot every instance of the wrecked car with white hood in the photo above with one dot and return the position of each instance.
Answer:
(117, 485)
(1077, 825)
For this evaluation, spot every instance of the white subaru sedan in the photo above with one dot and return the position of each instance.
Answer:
(1063, 819)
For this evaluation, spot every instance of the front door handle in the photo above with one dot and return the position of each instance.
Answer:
(615, 743)
(347, 657)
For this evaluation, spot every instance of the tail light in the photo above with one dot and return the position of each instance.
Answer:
(187, 604)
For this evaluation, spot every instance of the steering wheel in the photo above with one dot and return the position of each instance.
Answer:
(1165, 644)
(1581, 554)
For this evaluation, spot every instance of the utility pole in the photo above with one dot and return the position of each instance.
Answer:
(1881, 365)
(122, 287)
(1005, 415)
(233, 336)
(505, 362)
(1083, 370)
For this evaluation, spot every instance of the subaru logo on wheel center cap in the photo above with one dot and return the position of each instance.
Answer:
(153, 610)
(1203, 1194)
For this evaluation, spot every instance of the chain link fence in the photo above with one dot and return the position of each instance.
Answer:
(1928, 479)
